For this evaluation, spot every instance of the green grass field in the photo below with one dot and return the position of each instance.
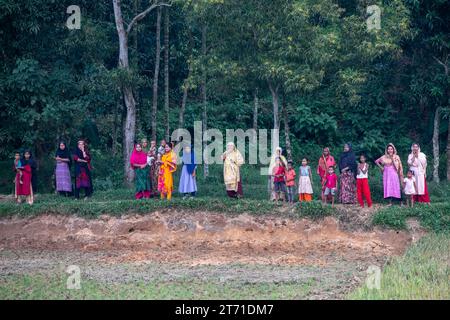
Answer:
(422, 273)
(37, 287)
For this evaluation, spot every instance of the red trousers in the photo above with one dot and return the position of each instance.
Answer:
(363, 191)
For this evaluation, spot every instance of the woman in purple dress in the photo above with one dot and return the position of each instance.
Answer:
(62, 171)
(391, 166)
(188, 183)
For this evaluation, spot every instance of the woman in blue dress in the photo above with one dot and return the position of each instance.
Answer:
(188, 183)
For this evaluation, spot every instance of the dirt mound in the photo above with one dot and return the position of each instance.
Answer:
(204, 238)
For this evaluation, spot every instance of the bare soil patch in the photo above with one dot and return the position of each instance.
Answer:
(205, 238)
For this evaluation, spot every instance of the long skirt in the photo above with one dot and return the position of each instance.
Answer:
(235, 194)
(24, 188)
(391, 183)
(142, 183)
(83, 179)
(304, 185)
(63, 179)
(347, 192)
(188, 182)
(425, 198)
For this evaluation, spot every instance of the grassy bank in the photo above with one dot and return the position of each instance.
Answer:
(434, 217)
(422, 273)
(118, 202)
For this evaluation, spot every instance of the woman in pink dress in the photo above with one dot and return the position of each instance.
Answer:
(391, 166)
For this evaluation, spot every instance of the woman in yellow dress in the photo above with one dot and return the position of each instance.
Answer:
(233, 160)
(168, 167)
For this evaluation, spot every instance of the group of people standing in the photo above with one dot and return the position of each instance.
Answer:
(154, 167)
(353, 180)
(25, 168)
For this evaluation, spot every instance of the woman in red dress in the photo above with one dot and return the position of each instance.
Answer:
(23, 186)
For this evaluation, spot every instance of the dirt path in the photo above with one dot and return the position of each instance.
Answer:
(203, 245)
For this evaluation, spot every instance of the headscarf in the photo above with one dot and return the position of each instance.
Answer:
(348, 159)
(273, 158)
(395, 158)
(138, 157)
(231, 171)
(80, 155)
(64, 154)
(188, 159)
(421, 157)
(322, 167)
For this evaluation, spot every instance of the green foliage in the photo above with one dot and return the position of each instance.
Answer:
(435, 217)
(337, 80)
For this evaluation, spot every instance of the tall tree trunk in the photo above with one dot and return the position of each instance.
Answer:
(204, 101)
(156, 74)
(166, 72)
(130, 104)
(437, 116)
(255, 109)
(287, 132)
(275, 103)
(129, 128)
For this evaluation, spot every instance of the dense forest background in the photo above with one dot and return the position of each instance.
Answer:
(309, 67)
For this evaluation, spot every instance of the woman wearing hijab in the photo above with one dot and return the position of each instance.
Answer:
(347, 168)
(83, 168)
(325, 161)
(188, 184)
(233, 160)
(138, 162)
(278, 154)
(391, 166)
(144, 144)
(23, 181)
(62, 170)
(168, 165)
(417, 162)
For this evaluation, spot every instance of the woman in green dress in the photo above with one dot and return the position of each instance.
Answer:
(138, 163)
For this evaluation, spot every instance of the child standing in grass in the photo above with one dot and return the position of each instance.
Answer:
(305, 190)
(18, 166)
(279, 176)
(290, 182)
(330, 186)
(410, 188)
(362, 182)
